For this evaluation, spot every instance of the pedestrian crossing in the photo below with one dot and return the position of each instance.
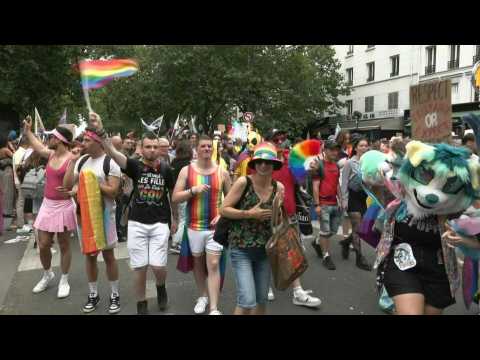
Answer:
(31, 257)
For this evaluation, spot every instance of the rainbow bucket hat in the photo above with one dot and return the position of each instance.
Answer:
(266, 151)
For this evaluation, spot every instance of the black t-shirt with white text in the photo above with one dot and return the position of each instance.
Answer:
(150, 203)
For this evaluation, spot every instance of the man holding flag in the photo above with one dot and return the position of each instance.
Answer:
(108, 175)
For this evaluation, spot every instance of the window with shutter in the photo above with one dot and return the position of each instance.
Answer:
(393, 101)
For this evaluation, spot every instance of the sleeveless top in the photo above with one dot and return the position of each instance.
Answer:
(53, 179)
(203, 208)
(251, 233)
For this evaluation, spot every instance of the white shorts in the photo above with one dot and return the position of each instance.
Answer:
(147, 244)
(201, 241)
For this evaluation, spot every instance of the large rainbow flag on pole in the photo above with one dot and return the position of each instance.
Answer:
(97, 73)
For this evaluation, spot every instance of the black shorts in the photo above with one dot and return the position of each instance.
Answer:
(357, 201)
(28, 206)
(428, 278)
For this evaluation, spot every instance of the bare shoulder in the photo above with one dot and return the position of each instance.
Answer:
(280, 186)
(241, 181)
(184, 171)
(240, 184)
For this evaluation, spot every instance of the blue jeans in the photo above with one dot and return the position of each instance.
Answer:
(330, 220)
(252, 276)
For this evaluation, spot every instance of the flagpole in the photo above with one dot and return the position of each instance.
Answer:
(35, 127)
(84, 81)
(87, 99)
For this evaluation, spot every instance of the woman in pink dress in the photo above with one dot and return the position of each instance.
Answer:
(57, 213)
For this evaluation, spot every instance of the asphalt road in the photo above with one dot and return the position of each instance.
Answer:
(345, 291)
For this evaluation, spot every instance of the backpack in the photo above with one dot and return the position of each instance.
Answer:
(106, 164)
(355, 182)
(33, 183)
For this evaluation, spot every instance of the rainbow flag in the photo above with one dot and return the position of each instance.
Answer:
(93, 236)
(185, 260)
(97, 73)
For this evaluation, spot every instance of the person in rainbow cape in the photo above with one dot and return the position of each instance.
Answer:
(202, 184)
(416, 254)
(98, 179)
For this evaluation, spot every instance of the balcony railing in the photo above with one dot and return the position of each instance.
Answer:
(430, 69)
(452, 64)
(476, 58)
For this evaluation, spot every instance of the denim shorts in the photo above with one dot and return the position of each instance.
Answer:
(252, 276)
(330, 220)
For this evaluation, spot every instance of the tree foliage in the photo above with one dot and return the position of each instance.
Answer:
(284, 86)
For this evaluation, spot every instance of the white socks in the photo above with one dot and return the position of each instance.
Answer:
(48, 272)
(93, 288)
(64, 279)
(297, 291)
(114, 285)
(326, 255)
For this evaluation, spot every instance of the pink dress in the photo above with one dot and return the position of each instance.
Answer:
(57, 214)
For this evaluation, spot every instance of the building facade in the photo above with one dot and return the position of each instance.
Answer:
(380, 77)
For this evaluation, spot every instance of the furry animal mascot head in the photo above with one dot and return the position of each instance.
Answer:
(432, 179)
(253, 140)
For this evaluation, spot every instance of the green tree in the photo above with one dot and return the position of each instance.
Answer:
(285, 86)
(41, 76)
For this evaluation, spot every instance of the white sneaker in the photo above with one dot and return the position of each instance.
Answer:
(201, 305)
(43, 283)
(174, 249)
(63, 290)
(271, 295)
(302, 298)
(25, 229)
(215, 312)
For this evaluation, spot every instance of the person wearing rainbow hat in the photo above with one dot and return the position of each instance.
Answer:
(249, 205)
(284, 175)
